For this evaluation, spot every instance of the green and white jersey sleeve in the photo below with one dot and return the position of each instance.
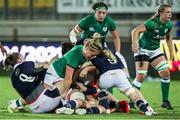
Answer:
(155, 31)
(73, 58)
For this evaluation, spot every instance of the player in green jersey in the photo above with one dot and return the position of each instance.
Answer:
(3, 50)
(63, 68)
(146, 47)
(98, 22)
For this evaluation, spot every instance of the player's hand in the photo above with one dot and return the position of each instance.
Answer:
(83, 73)
(3, 50)
(171, 56)
(81, 86)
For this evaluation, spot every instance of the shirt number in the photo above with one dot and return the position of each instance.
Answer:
(26, 78)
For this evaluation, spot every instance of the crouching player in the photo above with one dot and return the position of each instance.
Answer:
(27, 80)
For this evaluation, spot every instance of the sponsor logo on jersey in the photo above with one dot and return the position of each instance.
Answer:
(157, 31)
(91, 29)
(17, 72)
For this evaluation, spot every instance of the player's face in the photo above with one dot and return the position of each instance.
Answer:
(20, 58)
(167, 14)
(88, 54)
(100, 15)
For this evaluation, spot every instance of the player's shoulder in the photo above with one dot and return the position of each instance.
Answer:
(151, 21)
(108, 18)
(89, 17)
(26, 63)
(169, 23)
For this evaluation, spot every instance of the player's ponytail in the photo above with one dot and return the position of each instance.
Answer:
(10, 61)
(109, 55)
(94, 44)
(96, 36)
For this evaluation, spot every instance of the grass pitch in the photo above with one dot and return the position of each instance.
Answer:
(151, 91)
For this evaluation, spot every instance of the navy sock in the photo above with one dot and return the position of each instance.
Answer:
(71, 104)
(103, 101)
(141, 105)
(93, 110)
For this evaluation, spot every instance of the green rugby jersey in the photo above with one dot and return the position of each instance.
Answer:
(90, 25)
(150, 39)
(73, 58)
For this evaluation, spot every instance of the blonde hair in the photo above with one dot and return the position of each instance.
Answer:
(160, 9)
(10, 61)
(109, 55)
(94, 43)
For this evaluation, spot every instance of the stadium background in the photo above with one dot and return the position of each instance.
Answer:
(37, 27)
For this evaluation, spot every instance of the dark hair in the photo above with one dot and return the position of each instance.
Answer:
(66, 46)
(160, 9)
(99, 4)
(11, 60)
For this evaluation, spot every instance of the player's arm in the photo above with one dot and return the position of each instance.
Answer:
(67, 79)
(73, 33)
(117, 41)
(85, 70)
(86, 67)
(135, 34)
(88, 90)
(170, 44)
(38, 67)
(3, 50)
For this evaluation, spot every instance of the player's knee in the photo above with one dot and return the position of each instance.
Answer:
(76, 96)
(162, 67)
(129, 92)
(133, 94)
(141, 77)
(165, 73)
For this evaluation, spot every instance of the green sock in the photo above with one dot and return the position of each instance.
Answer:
(165, 83)
(110, 90)
(18, 103)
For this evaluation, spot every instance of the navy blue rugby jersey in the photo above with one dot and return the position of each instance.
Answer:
(104, 64)
(25, 78)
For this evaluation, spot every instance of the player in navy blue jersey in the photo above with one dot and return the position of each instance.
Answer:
(26, 79)
(113, 75)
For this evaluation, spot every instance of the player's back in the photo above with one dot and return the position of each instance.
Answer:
(25, 79)
(104, 64)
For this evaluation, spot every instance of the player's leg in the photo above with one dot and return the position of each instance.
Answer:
(160, 64)
(46, 102)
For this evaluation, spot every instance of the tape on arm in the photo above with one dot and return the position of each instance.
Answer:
(72, 35)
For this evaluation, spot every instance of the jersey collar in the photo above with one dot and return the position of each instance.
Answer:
(159, 22)
(16, 65)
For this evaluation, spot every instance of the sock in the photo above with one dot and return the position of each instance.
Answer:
(103, 101)
(137, 84)
(141, 105)
(110, 90)
(165, 83)
(71, 104)
(18, 103)
(112, 104)
(93, 110)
